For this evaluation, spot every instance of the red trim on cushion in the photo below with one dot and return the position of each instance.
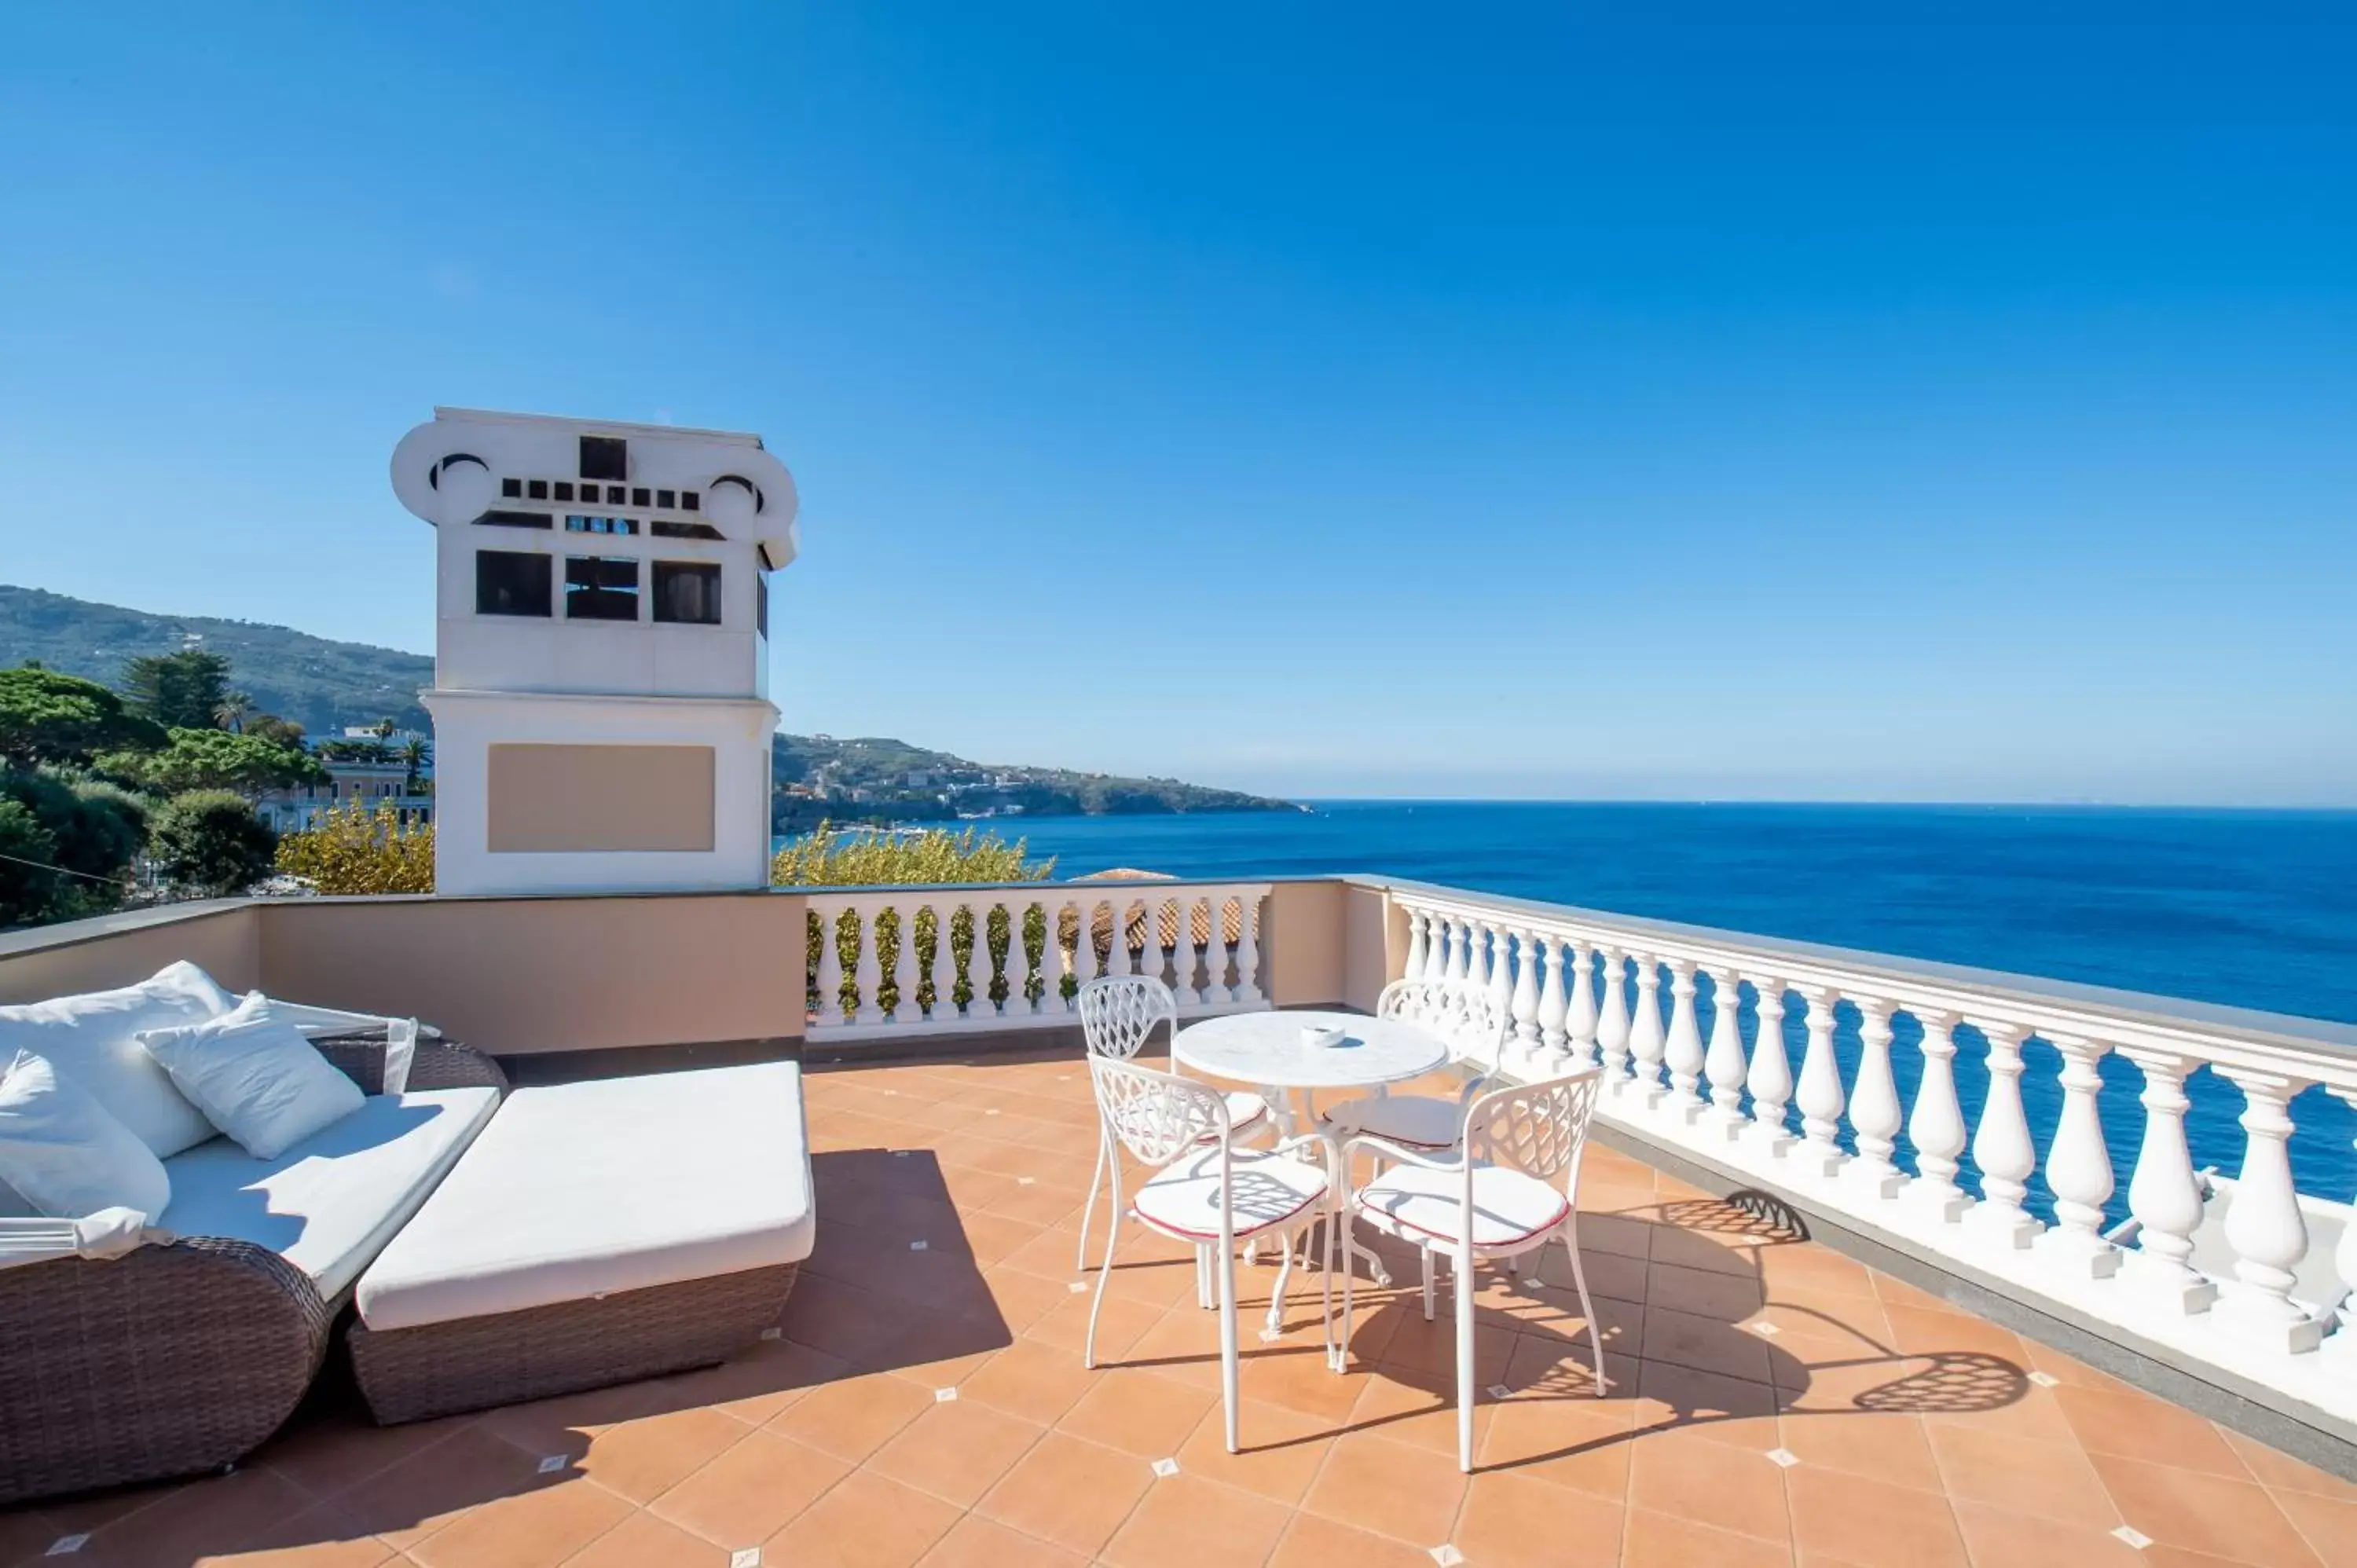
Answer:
(1562, 1215)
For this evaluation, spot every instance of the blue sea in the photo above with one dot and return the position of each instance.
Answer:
(2249, 908)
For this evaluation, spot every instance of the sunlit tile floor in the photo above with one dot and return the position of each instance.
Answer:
(1768, 1401)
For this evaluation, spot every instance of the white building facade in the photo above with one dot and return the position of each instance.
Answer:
(600, 701)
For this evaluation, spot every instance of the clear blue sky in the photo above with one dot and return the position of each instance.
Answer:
(1372, 400)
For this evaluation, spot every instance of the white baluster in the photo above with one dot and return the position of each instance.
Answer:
(1645, 1038)
(1461, 951)
(977, 962)
(2263, 1224)
(869, 974)
(1682, 1051)
(1248, 908)
(1581, 1022)
(1418, 946)
(1612, 1021)
(2078, 1168)
(1060, 998)
(2341, 1348)
(1554, 1006)
(1118, 954)
(1186, 955)
(1017, 969)
(1483, 938)
(2164, 1193)
(1216, 989)
(1436, 963)
(830, 967)
(1770, 1078)
(1522, 1001)
(1723, 1060)
(1820, 1086)
(1936, 1125)
(1874, 1108)
(904, 966)
(2001, 1146)
(944, 971)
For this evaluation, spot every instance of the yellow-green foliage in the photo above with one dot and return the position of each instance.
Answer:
(354, 849)
(832, 857)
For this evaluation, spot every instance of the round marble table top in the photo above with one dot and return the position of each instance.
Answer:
(1267, 1049)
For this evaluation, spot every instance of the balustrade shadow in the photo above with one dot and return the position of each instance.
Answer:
(864, 1302)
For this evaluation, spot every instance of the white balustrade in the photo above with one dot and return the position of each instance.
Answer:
(2215, 1267)
(2078, 1167)
(1874, 1107)
(1646, 1040)
(1681, 1052)
(1723, 1061)
(1036, 987)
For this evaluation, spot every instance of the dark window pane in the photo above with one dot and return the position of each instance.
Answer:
(690, 501)
(605, 458)
(663, 529)
(665, 499)
(574, 523)
(536, 489)
(639, 497)
(563, 490)
(687, 592)
(499, 518)
(761, 601)
(512, 488)
(613, 495)
(600, 588)
(510, 584)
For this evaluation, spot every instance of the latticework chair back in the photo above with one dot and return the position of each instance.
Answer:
(1464, 1015)
(1539, 1129)
(1119, 1012)
(1156, 1116)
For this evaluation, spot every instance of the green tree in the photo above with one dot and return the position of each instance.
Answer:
(210, 844)
(216, 759)
(231, 712)
(179, 690)
(361, 849)
(48, 717)
(271, 727)
(72, 841)
(415, 753)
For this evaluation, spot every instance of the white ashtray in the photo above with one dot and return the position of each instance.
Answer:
(1323, 1036)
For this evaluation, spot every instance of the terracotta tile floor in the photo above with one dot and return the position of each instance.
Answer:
(1769, 1402)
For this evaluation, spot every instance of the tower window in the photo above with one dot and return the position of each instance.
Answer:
(761, 602)
(512, 488)
(536, 489)
(613, 495)
(641, 496)
(509, 583)
(602, 587)
(563, 490)
(663, 529)
(605, 458)
(665, 499)
(498, 517)
(576, 524)
(687, 593)
(690, 501)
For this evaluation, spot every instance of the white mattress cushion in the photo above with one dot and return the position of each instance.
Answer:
(254, 1077)
(65, 1153)
(330, 1203)
(1183, 1197)
(1509, 1206)
(90, 1039)
(582, 1189)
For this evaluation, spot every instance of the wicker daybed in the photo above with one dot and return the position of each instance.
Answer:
(187, 1352)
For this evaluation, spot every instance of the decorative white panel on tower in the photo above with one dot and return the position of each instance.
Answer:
(600, 701)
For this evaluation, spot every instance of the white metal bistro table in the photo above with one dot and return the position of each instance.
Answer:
(1267, 1050)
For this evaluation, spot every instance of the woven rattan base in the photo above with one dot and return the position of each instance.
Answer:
(474, 1363)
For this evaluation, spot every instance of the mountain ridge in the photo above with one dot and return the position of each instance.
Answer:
(325, 684)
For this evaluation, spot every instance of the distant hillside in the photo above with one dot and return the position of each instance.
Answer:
(324, 686)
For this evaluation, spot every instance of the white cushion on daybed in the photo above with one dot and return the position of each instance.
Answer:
(89, 1038)
(329, 1203)
(582, 1189)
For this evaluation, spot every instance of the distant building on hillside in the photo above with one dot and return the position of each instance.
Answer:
(350, 782)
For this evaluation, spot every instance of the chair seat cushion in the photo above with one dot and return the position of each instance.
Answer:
(1414, 1121)
(1245, 1109)
(586, 1189)
(329, 1203)
(1182, 1199)
(1509, 1207)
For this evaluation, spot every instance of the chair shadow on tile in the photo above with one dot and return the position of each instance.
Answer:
(865, 1302)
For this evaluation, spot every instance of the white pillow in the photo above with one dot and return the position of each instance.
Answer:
(65, 1155)
(89, 1038)
(256, 1076)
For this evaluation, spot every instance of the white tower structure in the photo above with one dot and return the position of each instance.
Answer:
(600, 701)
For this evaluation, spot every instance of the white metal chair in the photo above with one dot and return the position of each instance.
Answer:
(1119, 1013)
(1498, 1198)
(1207, 1192)
(1475, 1027)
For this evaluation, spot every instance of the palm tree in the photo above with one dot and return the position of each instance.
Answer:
(232, 711)
(415, 754)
